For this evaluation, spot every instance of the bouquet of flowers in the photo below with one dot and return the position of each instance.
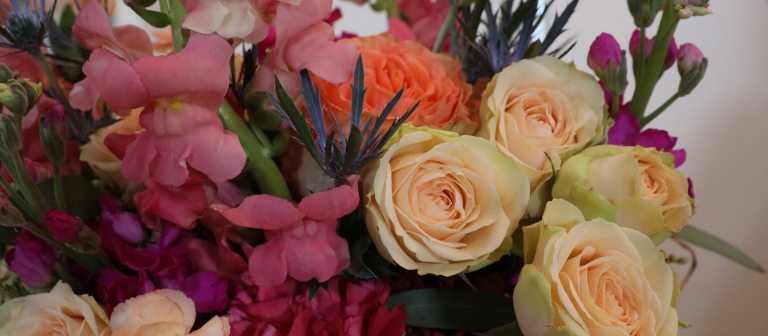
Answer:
(245, 170)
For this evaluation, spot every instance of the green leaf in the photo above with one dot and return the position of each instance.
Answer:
(710, 242)
(144, 3)
(454, 309)
(80, 195)
(156, 19)
(511, 329)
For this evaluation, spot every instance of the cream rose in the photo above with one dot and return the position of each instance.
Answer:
(162, 312)
(58, 312)
(105, 164)
(441, 203)
(541, 109)
(592, 278)
(635, 187)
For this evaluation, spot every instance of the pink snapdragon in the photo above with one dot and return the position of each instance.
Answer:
(301, 239)
(242, 19)
(304, 41)
(424, 18)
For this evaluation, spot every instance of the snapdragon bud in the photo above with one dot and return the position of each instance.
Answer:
(53, 133)
(34, 92)
(13, 96)
(689, 8)
(644, 11)
(692, 66)
(608, 62)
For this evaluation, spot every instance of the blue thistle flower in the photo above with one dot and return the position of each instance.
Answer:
(339, 153)
(26, 26)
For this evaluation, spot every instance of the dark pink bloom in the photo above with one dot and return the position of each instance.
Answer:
(604, 54)
(344, 308)
(304, 41)
(689, 57)
(301, 239)
(126, 225)
(627, 132)
(62, 226)
(32, 260)
(208, 290)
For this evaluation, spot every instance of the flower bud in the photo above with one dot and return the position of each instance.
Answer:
(53, 132)
(634, 49)
(13, 96)
(689, 8)
(608, 62)
(644, 11)
(692, 66)
(62, 226)
(6, 73)
(10, 136)
(34, 91)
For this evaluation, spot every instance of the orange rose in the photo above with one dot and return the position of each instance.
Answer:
(436, 80)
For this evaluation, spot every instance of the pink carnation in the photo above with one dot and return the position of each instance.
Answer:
(343, 308)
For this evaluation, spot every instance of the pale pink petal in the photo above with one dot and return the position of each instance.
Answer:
(400, 29)
(200, 72)
(241, 20)
(217, 153)
(314, 49)
(292, 19)
(206, 17)
(92, 27)
(83, 95)
(267, 264)
(134, 41)
(117, 83)
(331, 204)
(263, 212)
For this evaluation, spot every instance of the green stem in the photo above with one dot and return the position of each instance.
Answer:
(641, 57)
(53, 82)
(661, 109)
(449, 19)
(27, 187)
(58, 188)
(16, 199)
(261, 165)
(176, 12)
(615, 104)
(90, 262)
(655, 66)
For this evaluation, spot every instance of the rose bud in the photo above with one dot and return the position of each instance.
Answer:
(607, 60)
(62, 226)
(692, 66)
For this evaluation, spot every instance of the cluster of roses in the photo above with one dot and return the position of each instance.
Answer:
(447, 195)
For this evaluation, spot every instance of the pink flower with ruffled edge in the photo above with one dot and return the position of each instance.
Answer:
(304, 41)
(424, 20)
(342, 308)
(244, 19)
(301, 239)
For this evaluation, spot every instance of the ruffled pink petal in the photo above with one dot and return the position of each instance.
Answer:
(337, 59)
(138, 157)
(217, 153)
(134, 41)
(267, 263)
(331, 204)
(400, 29)
(315, 255)
(180, 206)
(263, 212)
(292, 19)
(117, 83)
(199, 72)
(92, 27)
(83, 95)
(205, 17)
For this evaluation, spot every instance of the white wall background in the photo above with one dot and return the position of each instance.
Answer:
(724, 127)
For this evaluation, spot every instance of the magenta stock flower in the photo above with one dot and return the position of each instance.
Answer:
(604, 54)
(634, 48)
(689, 57)
(62, 226)
(343, 308)
(32, 260)
(301, 239)
(627, 132)
(304, 41)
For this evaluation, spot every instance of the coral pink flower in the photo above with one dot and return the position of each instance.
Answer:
(241, 19)
(301, 240)
(343, 308)
(304, 41)
(424, 19)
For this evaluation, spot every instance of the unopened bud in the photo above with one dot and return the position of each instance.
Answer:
(644, 11)
(53, 134)
(9, 215)
(34, 92)
(692, 66)
(5, 73)
(608, 62)
(689, 8)
(13, 96)
(10, 136)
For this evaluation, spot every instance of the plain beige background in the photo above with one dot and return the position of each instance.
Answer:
(724, 127)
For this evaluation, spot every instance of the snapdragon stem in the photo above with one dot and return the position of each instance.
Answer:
(641, 59)
(655, 65)
(661, 109)
(615, 104)
(58, 188)
(16, 199)
(260, 162)
(27, 187)
(449, 19)
(176, 13)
